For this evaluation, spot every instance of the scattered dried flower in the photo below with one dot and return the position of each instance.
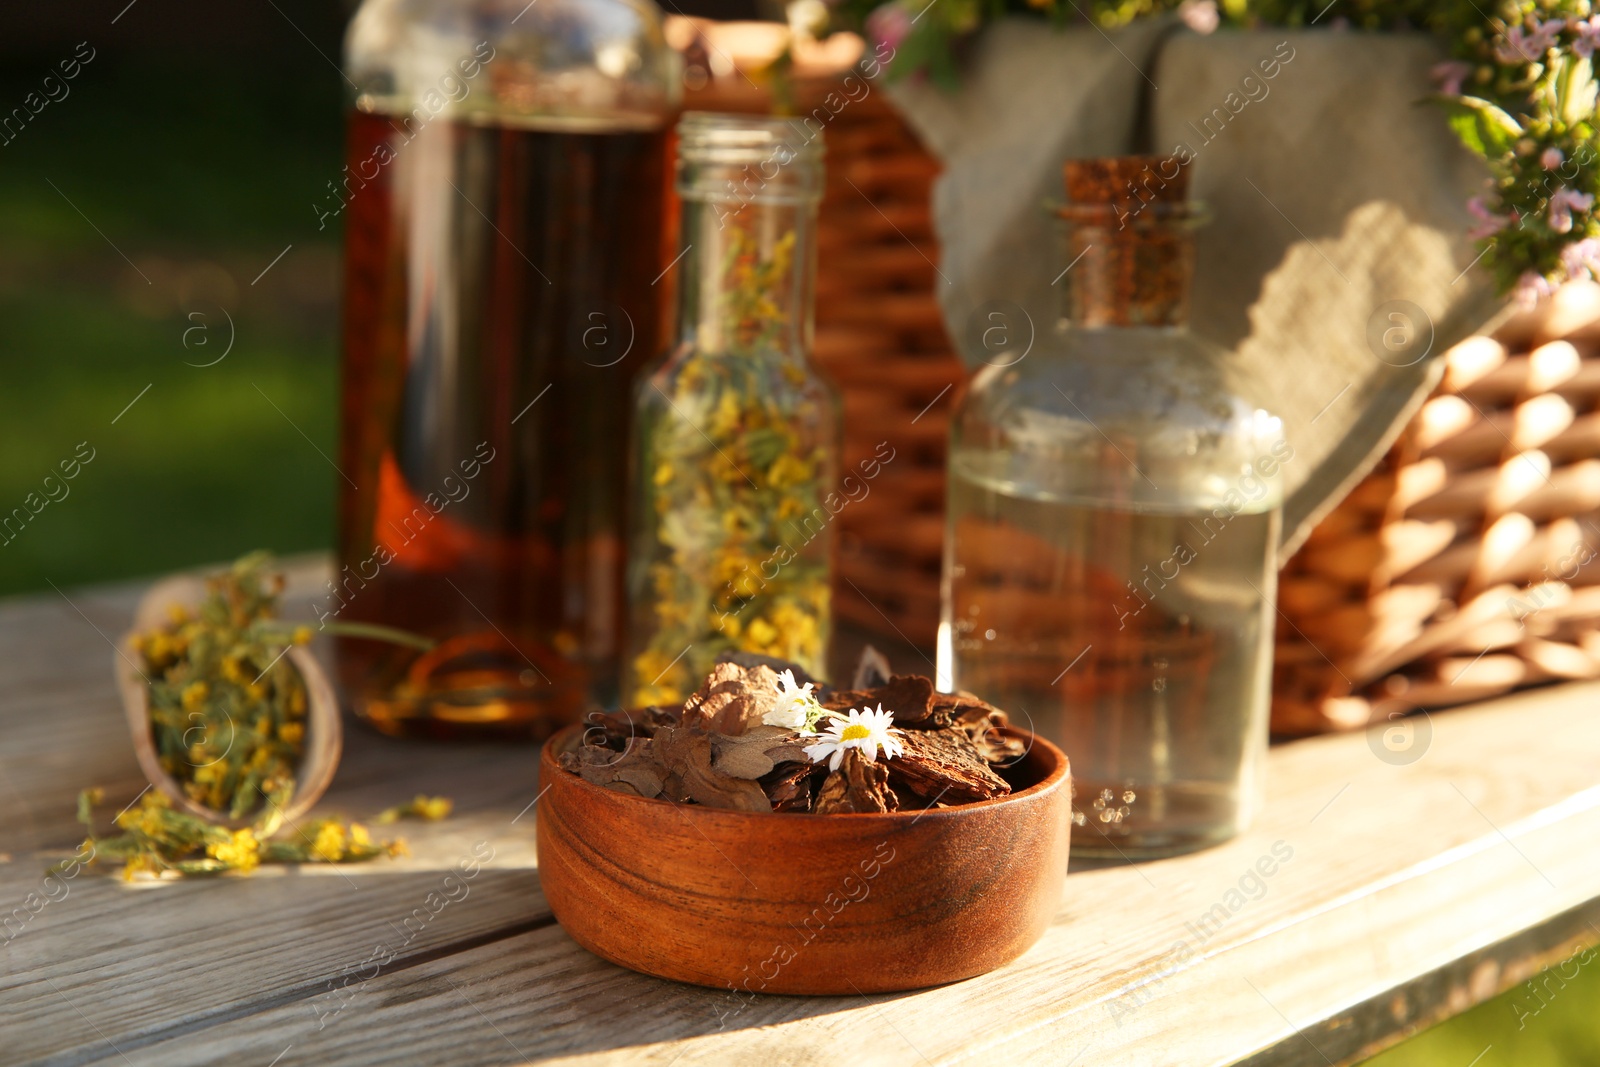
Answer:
(241, 852)
(227, 718)
(158, 840)
(421, 806)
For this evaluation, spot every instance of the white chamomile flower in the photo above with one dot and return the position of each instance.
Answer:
(865, 730)
(797, 706)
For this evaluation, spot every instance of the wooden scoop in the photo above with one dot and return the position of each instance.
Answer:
(324, 731)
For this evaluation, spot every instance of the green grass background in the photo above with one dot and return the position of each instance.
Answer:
(1554, 1025)
(192, 171)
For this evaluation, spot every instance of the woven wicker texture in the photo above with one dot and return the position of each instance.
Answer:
(1463, 567)
(881, 337)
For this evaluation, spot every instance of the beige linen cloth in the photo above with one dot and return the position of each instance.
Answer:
(1338, 203)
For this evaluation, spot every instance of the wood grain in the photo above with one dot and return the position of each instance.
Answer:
(813, 904)
(1413, 890)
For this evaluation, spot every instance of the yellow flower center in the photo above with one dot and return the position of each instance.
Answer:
(854, 732)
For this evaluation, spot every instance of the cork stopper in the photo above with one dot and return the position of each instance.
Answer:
(1127, 181)
(1130, 220)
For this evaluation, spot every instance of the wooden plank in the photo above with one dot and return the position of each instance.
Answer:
(110, 963)
(1387, 881)
(59, 719)
(513, 1002)
(157, 959)
(1412, 890)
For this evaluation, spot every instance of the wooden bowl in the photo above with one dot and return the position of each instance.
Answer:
(817, 904)
(324, 731)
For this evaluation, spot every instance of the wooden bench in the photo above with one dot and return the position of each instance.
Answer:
(1372, 897)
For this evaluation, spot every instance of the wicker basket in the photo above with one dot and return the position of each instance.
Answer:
(881, 336)
(1463, 567)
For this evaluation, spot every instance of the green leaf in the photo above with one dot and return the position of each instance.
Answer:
(919, 51)
(120, 847)
(1575, 90)
(1482, 127)
(763, 447)
(86, 802)
(205, 866)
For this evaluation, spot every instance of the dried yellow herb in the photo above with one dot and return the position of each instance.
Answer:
(156, 839)
(227, 716)
(737, 440)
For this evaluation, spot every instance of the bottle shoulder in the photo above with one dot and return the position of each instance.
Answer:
(571, 65)
(686, 372)
(1123, 376)
(1151, 416)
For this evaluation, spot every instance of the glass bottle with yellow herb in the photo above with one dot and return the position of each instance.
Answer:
(736, 435)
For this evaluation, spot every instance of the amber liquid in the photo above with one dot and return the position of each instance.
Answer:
(498, 300)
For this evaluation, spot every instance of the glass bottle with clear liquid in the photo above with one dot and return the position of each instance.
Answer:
(1112, 528)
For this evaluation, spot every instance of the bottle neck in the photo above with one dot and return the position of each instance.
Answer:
(747, 275)
(749, 258)
(749, 187)
(1128, 271)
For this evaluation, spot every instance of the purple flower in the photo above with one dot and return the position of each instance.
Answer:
(1530, 289)
(1200, 15)
(1582, 258)
(1489, 223)
(889, 25)
(1562, 203)
(1588, 36)
(1450, 76)
(1552, 158)
(1546, 34)
(1528, 46)
(1511, 48)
